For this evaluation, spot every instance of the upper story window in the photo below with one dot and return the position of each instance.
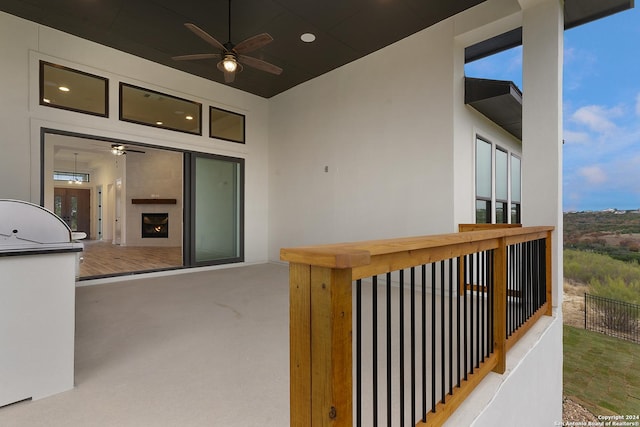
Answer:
(502, 186)
(516, 190)
(484, 181)
(69, 89)
(498, 184)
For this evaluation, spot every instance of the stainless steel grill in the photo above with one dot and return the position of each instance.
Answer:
(27, 227)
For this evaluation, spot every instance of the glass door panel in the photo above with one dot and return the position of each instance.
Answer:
(218, 213)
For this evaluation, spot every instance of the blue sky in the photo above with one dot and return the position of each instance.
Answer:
(601, 110)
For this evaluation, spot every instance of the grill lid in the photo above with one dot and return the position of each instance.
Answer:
(24, 224)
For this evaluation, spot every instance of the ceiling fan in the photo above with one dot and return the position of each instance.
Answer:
(119, 150)
(232, 55)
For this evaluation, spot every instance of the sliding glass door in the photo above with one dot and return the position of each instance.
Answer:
(197, 197)
(217, 214)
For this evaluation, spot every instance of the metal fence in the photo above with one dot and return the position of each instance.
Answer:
(612, 317)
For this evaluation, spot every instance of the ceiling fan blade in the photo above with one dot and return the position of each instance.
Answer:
(130, 150)
(229, 77)
(260, 64)
(204, 36)
(253, 43)
(195, 56)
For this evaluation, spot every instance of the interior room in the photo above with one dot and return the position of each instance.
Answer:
(111, 195)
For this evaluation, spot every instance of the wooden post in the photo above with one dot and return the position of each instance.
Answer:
(300, 344)
(321, 346)
(500, 305)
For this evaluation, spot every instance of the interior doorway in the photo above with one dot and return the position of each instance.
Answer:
(73, 205)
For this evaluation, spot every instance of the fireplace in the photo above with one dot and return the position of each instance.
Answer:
(155, 225)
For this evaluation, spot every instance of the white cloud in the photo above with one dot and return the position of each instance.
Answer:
(593, 174)
(571, 137)
(579, 65)
(597, 118)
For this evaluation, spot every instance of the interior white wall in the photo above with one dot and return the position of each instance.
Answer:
(104, 173)
(24, 43)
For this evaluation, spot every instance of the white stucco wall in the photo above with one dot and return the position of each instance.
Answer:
(364, 152)
(24, 43)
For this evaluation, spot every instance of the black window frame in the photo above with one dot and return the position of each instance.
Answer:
(232, 113)
(42, 98)
(153, 124)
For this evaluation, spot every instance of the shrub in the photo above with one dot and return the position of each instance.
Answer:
(606, 277)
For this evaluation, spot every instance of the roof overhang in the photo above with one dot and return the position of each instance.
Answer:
(576, 12)
(499, 100)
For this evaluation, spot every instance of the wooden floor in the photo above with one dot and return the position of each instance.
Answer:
(102, 258)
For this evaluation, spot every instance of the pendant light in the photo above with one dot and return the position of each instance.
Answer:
(76, 179)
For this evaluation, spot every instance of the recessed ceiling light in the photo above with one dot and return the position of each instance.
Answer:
(63, 89)
(159, 123)
(308, 37)
(189, 117)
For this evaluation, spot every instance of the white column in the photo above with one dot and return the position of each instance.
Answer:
(543, 29)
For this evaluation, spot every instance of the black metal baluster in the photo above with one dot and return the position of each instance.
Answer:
(471, 296)
(458, 296)
(534, 279)
(443, 356)
(483, 301)
(433, 337)
(401, 309)
(477, 298)
(465, 335)
(424, 343)
(374, 327)
(527, 284)
(544, 270)
(413, 346)
(527, 280)
(359, 352)
(509, 286)
(450, 326)
(389, 387)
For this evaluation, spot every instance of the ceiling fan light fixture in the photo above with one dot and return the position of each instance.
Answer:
(229, 63)
(117, 150)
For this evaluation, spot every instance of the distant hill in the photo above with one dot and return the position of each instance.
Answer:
(614, 233)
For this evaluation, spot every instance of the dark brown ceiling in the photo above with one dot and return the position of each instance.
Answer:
(154, 29)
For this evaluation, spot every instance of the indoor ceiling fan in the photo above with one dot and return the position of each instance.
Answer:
(232, 55)
(119, 150)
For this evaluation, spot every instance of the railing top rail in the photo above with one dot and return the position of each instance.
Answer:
(358, 254)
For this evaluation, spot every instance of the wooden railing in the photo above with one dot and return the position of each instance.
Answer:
(505, 273)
